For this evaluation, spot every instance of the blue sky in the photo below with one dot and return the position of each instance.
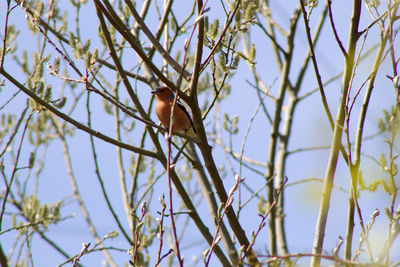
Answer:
(310, 128)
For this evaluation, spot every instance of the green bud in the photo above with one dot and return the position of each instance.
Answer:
(31, 160)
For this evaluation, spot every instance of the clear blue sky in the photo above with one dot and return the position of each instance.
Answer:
(311, 128)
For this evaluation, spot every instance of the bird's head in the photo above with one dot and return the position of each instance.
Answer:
(163, 93)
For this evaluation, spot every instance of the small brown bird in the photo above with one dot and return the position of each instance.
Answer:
(182, 122)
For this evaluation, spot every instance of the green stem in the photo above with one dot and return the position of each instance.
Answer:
(337, 135)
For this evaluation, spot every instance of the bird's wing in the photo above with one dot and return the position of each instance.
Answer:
(182, 107)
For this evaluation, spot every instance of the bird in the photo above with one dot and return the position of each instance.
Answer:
(182, 121)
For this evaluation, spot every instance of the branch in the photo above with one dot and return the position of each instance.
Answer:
(337, 135)
(100, 179)
(76, 192)
(114, 19)
(329, 3)
(205, 62)
(315, 64)
(206, 149)
(211, 201)
(171, 62)
(84, 250)
(174, 177)
(3, 258)
(199, 50)
(14, 171)
(264, 216)
(358, 140)
(274, 135)
(77, 124)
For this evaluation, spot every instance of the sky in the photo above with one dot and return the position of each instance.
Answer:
(310, 129)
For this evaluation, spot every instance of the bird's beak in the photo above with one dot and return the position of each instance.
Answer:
(155, 92)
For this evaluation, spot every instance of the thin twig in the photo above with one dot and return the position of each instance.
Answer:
(15, 169)
(160, 234)
(99, 177)
(77, 194)
(115, 20)
(155, 43)
(15, 131)
(70, 120)
(329, 3)
(220, 217)
(85, 247)
(171, 210)
(336, 145)
(205, 62)
(264, 216)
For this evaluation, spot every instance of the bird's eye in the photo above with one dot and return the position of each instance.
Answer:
(162, 90)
